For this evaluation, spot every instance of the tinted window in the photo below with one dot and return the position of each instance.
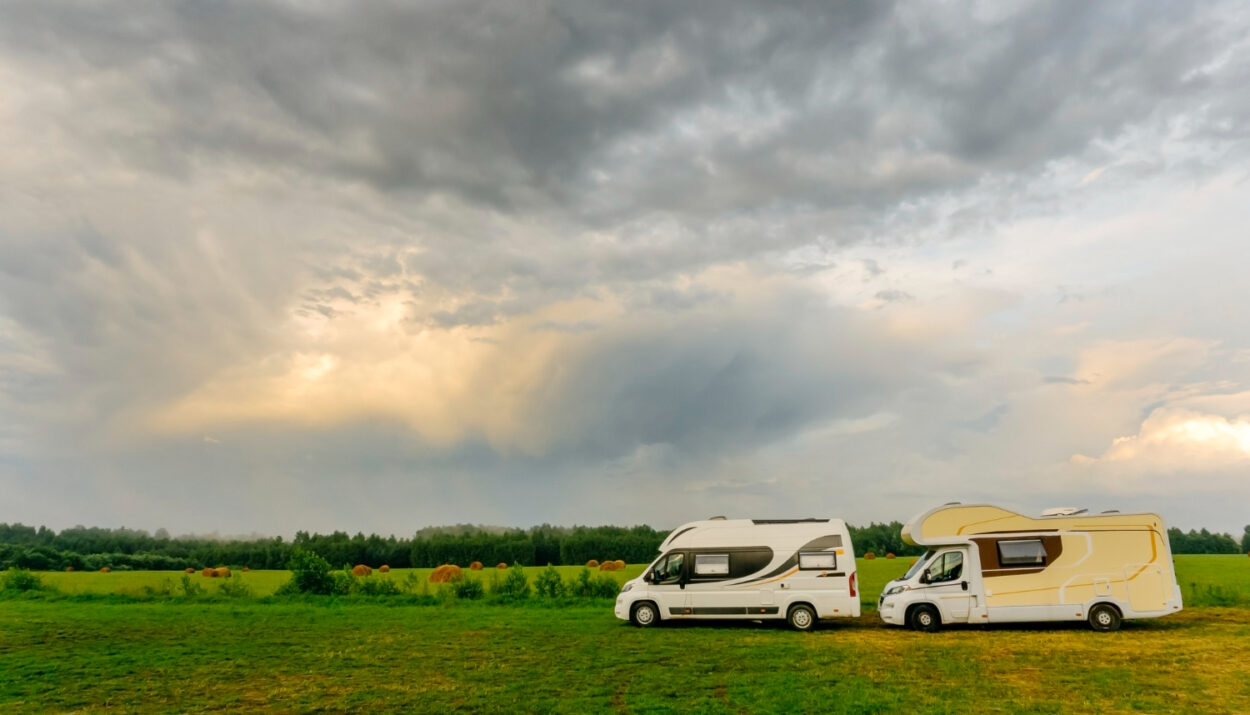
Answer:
(749, 561)
(1028, 552)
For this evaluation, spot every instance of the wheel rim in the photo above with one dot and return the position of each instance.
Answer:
(645, 614)
(1104, 618)
(925, 618)
(802, 618)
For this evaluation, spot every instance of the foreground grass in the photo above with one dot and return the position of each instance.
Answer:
(92, 656)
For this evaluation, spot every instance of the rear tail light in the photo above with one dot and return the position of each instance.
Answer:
(852, 584)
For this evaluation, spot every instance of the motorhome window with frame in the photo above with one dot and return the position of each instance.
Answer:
(818, 560)
(1021, 552)
(711, 566)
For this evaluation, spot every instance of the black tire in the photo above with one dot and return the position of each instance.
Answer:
(1104, 617)
(925, 618)
(644, 614)
(801, 617)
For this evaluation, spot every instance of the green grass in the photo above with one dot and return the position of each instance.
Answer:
(159, 655)
(287, 656)
(1222, 580)
(1216, 580)
(138, 584)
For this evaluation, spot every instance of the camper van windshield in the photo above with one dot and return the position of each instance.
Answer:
(919, 564)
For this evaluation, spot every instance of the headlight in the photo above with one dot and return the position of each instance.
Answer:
(895, 589)
(626, 587)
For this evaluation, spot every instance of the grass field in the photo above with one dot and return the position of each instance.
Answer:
(1204, 580)
(91, 654)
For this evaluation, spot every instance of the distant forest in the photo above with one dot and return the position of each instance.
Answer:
(90, 548)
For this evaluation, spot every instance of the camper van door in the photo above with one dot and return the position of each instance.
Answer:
(668, 584)
(947, 579)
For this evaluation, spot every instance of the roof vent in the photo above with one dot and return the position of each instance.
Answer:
(1112, 511)
(716, 518)
(1063, 511)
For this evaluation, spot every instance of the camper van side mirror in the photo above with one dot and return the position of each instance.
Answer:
(649, 577)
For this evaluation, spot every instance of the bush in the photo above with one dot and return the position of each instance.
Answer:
(235, 588)
(549, 584)
(190, 589)
(513, 587)
(310, 574)
(469, 589)
(600, 586)
(16, 579)
(374, 587)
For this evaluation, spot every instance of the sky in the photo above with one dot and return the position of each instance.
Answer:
(269, 266)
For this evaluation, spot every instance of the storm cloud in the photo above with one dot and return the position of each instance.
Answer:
(497, 258)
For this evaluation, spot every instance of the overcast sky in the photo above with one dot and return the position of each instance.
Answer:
(268, 266)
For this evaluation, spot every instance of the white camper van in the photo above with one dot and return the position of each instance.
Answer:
(986, 564)
(801, 570)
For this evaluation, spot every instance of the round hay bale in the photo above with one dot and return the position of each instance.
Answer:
(501, 565)
(609, 566)
(361, 570)
(105, 569)
(188, 570)
(246, 569)
(592, 564)
(69, 569)
(620, 564)
(446, 574)
(869, 556)
(475, 566)
(222, 572)
(890, 555)
(209, 572)
(384, 569)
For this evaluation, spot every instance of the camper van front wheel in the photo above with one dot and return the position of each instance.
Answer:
(644, 614)
(925, 618)
(1104, 617)
(801, 618)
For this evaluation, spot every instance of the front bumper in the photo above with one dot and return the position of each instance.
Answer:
(890, 611)
(622, 607)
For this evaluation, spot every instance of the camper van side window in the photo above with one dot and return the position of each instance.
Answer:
(711, 564)
(1025, 552)
(818, 560)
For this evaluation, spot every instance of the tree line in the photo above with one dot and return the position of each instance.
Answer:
(91, 548)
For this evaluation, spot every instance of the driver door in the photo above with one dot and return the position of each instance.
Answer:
(668, 584)
(948, 586)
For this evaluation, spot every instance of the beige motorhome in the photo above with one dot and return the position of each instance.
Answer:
(986, 564)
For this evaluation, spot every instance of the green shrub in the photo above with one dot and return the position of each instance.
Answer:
(374, 587)
(588, 586)
(235, 588)
(469, 589)
(165, 590)
(413, 584)
(16, 579)
(513, 587)
(549, 584)
(190, 588)
(311, 574)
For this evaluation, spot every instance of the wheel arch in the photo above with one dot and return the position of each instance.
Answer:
(911, 608)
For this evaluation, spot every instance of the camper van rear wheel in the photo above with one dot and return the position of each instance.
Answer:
(1104, 617)
(925, 618)
(801, 617)
(644, 614)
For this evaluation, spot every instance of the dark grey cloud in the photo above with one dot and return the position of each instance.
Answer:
(607, 112)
